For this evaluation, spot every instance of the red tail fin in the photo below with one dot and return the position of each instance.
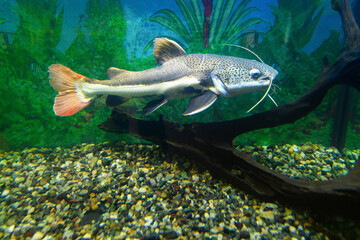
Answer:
(69, 100)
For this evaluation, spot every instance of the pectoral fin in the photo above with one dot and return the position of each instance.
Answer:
(200, 103)
(153, 105)
(219, 85)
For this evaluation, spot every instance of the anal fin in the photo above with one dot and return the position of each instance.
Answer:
(113, 101)
(200, 103)
(153, 105)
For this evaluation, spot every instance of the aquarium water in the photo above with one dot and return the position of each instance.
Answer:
(62, 177)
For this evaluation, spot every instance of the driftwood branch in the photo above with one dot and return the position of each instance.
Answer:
(210, 144)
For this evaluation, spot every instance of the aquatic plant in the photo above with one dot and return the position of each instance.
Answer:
(100, 36)
(24, 61)
(199, 31)
(293, 28)
(38, 32)
(287, 39)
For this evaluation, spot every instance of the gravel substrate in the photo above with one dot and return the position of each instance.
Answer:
(119, 191)
(309, 161)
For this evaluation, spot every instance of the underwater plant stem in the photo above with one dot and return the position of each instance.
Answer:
(342, 116)
(208, 7)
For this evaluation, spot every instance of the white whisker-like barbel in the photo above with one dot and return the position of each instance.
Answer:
(203, 77)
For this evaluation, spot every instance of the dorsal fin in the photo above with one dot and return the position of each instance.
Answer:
(113, 72)
(165, 49)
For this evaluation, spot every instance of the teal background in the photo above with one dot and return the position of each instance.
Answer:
(90, 36)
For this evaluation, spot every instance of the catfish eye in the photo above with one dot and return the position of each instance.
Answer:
(255, 73)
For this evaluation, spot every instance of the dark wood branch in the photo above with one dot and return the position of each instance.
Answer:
(351, 29)
(210, 144)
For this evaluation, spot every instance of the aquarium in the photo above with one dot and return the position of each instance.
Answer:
(179, 119)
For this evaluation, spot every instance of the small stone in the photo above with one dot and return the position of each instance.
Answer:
(138, 208)
(89, 156)
(213, 215)
(142, 190)
(19, 179)
(37, 236)
(94, 204)
(195, 178)
(292, 229)
(183, 175)
(152, 236)
(128, 198)
(326, 168)
(144, 170)
(148, 221)
(168, 177)
(87, 236)
(269, 215)
(307, 148)
(270, 206)
(152, 182)
(244, 234)
(83, 192)
(11, 229)
(31, 210)
(5, 193)
(170, 235)
(291, 151)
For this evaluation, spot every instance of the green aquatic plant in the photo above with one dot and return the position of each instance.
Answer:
(29, 121)
(300, 19)
(39, 31)
(106, 25)
(100, 38)
(24, 62)
(293, 28)
(226, 24)
(283, 45)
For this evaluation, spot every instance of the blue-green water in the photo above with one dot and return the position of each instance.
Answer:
(91, 36)
(63, 177)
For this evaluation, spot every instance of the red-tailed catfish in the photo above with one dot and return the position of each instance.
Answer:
(203, 77)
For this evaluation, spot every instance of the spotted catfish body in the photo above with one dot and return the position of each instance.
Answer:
(203, 77)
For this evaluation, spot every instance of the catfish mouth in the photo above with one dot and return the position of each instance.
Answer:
(247, 87)
(265, 78)
(264, 82)
(270, 79)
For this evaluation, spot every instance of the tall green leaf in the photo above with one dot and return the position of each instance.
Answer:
(215, 19)
(189, 16)
(225, 23)
(235, 32)
(170, 20)
(195, 4)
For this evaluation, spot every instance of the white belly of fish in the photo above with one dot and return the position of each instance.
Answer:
(171, 89)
